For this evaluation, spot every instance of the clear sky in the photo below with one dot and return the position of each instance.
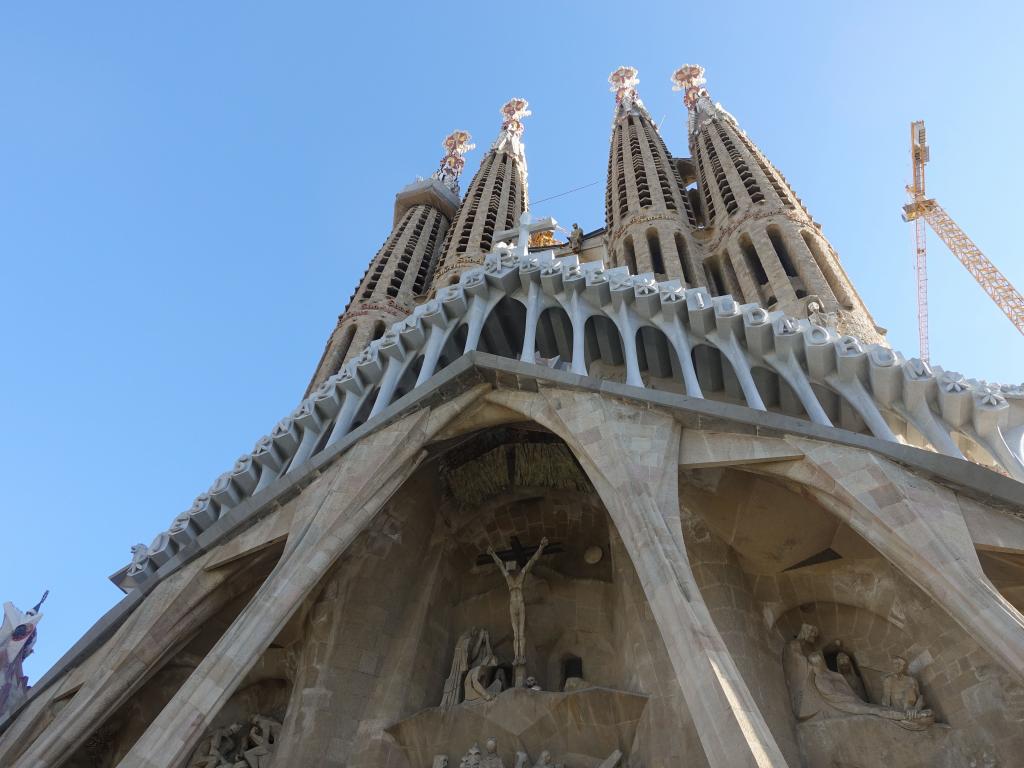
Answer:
(189, 193)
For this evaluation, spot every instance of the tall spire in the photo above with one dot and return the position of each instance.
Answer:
(401, 269)
(761, 243)
(496, 197)
(647, 212)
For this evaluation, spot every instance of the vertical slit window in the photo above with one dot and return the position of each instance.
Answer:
(654, 246)
(752, 261)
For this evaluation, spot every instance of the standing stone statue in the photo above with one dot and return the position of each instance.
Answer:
(576, 239)
(845, 666)
(492, 759)
(797, 669)
(517, 607)
(900, 690)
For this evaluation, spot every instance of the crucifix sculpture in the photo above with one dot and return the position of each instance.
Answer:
(527, 226)
(516, 603)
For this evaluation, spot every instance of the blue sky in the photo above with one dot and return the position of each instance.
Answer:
(190, 192)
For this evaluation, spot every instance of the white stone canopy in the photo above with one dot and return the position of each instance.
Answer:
(889, 396)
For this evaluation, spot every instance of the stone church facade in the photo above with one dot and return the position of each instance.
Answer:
(659, 495)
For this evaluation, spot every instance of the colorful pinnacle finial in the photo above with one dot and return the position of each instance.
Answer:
(624, 81)
(456, 144)
(513, 113)
(689, 78)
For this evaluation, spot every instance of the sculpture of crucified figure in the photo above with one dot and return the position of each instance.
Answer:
(516, 604)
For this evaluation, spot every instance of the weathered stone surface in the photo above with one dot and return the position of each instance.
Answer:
(581, 728)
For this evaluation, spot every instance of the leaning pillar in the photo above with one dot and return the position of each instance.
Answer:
(371, 471)
(631, 456)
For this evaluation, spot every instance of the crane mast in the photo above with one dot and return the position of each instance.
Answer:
(921, 209)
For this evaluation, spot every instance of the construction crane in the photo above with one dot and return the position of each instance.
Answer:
(921, 209)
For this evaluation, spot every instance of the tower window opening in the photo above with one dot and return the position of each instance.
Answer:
(779, 244)
(629, 254)
(341, 352)
(654, 245)
(752, 261)
(833, 279)
(684, 262)
(378, 330)
(713, 270)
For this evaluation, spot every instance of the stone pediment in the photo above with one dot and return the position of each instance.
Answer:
(579, 728)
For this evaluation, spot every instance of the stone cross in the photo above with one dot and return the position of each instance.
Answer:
(527, 226)
(520, 553)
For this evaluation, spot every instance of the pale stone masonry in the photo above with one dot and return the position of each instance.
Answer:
(396, 276)
(496, 197)
(541, 510)
(649, 218)
(760, 243)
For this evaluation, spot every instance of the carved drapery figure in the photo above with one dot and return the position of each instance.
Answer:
(232, 746)
(472, 646)
(796, 668)
(219, 749)
(900, 690)
(471, 759)
(828, 695)
(263, 736)
(481, 680)
(544, 761)
(576, 239)
(845, 666)
(516, 604)
(491, 758)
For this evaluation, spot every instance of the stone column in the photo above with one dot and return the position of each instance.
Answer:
(166, 618)
(359, 485)
(631, 456)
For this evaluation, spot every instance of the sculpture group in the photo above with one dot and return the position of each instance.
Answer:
(233, 746)
(818, 692)
(489, 758)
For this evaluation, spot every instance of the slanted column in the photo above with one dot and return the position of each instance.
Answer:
(631, 457)
(369, 473)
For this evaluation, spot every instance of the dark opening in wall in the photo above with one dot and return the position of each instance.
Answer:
(779, 244)
(654, 245)
(681, 252)
(629, 254)
(753, 262)
(572, 666)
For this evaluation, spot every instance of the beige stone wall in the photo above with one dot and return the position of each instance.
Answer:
(761, 244)
(647, 213)
(352, 631)
(398, 274)
(495, 199)
(736, 612)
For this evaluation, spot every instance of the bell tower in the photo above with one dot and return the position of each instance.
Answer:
(497, 196)
(763, 245)
(647, 212)
(402, 267)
